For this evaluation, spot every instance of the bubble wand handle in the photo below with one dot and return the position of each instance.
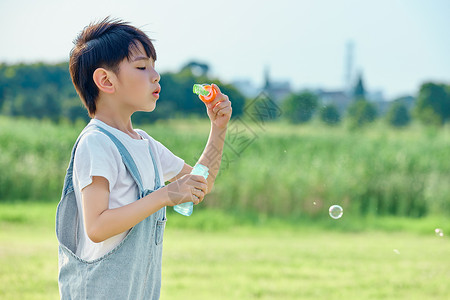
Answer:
(187, 208)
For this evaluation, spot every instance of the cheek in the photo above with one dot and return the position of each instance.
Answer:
(142, 79)
(136, 82)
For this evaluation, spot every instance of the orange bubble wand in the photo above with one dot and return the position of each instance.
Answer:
(205, 92)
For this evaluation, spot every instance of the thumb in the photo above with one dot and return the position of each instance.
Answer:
(214, 86)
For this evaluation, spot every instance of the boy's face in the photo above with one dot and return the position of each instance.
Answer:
(137, 85)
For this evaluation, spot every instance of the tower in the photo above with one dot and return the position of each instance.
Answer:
(266, 78)
(348, 69)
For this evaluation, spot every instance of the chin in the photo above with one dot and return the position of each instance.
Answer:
(150, 109)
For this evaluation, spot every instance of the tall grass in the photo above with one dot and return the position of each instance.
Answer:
(273, 169)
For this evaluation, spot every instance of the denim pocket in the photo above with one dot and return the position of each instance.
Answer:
(159, 230)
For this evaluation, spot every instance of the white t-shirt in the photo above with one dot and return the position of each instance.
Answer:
(97, 155)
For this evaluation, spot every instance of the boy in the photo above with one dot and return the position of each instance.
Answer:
(111, 218)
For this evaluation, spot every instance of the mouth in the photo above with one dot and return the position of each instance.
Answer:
(156, 92)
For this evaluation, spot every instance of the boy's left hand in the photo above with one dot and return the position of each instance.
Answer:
(219, 110)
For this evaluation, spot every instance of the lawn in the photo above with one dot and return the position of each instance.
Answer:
(272, 260)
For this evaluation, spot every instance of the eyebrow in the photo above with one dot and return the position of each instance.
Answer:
(141, 58)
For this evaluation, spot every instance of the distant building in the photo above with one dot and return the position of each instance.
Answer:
(375, 96)
(340, 99)
(383, 106)
(277, 90)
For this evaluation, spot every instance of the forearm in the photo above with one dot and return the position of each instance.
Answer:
(212, 155)
(114, 221)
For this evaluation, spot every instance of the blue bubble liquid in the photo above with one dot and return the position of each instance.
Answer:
(187, 208)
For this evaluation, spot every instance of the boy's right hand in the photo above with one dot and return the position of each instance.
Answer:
(189, 188)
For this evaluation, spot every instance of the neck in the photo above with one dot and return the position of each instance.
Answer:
(116, 118)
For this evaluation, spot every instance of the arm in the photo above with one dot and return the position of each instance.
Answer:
(219, 111)
(212, 155)
(102, 223)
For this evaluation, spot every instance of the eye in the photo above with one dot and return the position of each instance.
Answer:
(141, 68)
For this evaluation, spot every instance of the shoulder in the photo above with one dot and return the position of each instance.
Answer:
(97, 143)
(95, 138)
(145, 135)
(153, 142)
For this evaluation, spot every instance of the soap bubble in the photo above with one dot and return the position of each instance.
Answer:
(439, 232)
(396, 251)
(336, 211)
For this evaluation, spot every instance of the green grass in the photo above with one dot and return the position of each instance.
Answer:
(285, 264)
(283, 170)
(214, 255)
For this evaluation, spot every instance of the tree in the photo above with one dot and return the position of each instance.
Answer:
(398, 114)
(299, 108)
(74, 110)
(177, 96)
(197, 68)
(42, 90)
(433, 103)
(329, 114)
(361, 112)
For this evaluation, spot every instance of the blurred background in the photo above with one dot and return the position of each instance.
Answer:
(334, 103)
(390, 48)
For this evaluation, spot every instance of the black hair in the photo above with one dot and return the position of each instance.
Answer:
(104, 44)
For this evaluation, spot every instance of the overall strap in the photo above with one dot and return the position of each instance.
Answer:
(155, 166)
(129, 162)
(126, 158)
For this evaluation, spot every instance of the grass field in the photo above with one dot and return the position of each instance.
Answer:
(229, 259)
(264, 232)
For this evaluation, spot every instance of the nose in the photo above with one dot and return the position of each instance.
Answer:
(155, 76)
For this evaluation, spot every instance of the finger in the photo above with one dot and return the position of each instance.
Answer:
(198, 179)
(202, 187)
(200, 195)
(216, 87)
(219, 98)
(220, 106)
(225, 111)
(195, 199)
(197, 196)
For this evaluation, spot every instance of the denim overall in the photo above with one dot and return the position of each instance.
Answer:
(132, 270)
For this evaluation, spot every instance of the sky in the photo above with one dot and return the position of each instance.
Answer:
(397, 44)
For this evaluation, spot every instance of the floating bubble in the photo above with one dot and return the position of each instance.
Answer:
(335, 211)
(314, 203)
(439, 232)
(396, 251)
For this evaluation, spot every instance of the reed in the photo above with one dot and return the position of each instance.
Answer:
(273, 169)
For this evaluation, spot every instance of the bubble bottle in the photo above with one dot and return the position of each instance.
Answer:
(186, 208)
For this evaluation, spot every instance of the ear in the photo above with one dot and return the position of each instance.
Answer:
(102, 79)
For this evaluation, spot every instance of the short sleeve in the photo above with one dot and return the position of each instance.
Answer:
(96, 155)
(171, 164)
